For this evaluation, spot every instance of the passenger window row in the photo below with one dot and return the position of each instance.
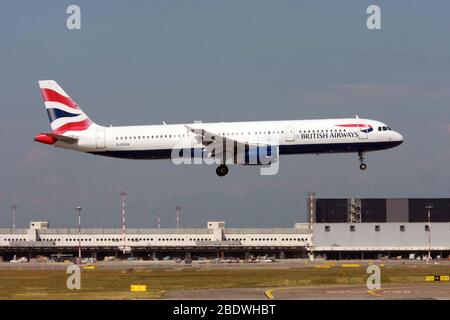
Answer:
(322, 131)
(161, 136)
(151, 137)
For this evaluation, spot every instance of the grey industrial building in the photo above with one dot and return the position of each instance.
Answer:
(337, 228)
(373, 228)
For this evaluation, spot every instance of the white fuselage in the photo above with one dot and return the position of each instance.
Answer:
(292, 137)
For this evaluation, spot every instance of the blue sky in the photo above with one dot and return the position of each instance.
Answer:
(144, 62)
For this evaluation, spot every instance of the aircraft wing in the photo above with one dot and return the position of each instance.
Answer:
(207, 137)
(217, 143)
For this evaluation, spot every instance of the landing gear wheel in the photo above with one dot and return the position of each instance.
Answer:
(362, 166)
(222, 170)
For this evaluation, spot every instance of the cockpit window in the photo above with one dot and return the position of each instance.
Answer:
(384, 128)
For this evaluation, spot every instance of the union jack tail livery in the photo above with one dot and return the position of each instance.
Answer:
(64, 113)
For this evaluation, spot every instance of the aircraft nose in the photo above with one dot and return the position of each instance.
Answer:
(398, 137)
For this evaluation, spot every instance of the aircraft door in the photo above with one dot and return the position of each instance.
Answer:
(100, 139)
(289, 134)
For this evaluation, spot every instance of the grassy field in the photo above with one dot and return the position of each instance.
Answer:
(115, 284)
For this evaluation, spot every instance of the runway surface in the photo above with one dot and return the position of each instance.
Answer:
(279, 264)
(391, 291)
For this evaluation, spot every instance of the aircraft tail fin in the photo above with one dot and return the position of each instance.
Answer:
(63, 112)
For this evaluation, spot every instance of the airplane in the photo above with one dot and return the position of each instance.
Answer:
(247, 143)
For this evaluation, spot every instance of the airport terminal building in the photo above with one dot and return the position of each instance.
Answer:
(214, 241)
(337, 228)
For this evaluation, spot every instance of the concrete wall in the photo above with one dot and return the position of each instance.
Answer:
(388, 238)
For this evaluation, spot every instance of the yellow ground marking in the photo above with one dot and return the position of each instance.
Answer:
(138, 288)
(89, 267)
(374, 292)
(350, 265)
(269, 294)
(441, 278)
(322, 266)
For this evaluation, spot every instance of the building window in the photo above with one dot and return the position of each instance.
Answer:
(352, 228)
(377, 228)
(402, 228)
(327, 228)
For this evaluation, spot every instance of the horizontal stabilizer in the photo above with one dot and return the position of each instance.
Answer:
(51, 138)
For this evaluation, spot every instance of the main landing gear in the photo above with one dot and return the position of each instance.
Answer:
(362, 166)
(222, 170)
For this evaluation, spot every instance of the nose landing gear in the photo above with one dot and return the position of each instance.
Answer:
(222, 170)
(362, 166)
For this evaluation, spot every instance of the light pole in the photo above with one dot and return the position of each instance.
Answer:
(14, 209)
(312, 197)
(78, 209)
(178, 210)
(429, 207)
(123, 195)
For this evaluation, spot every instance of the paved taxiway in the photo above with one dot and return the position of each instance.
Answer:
(280, 264)
(389, 291)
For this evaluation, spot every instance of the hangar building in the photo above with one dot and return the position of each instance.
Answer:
(373, 228)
